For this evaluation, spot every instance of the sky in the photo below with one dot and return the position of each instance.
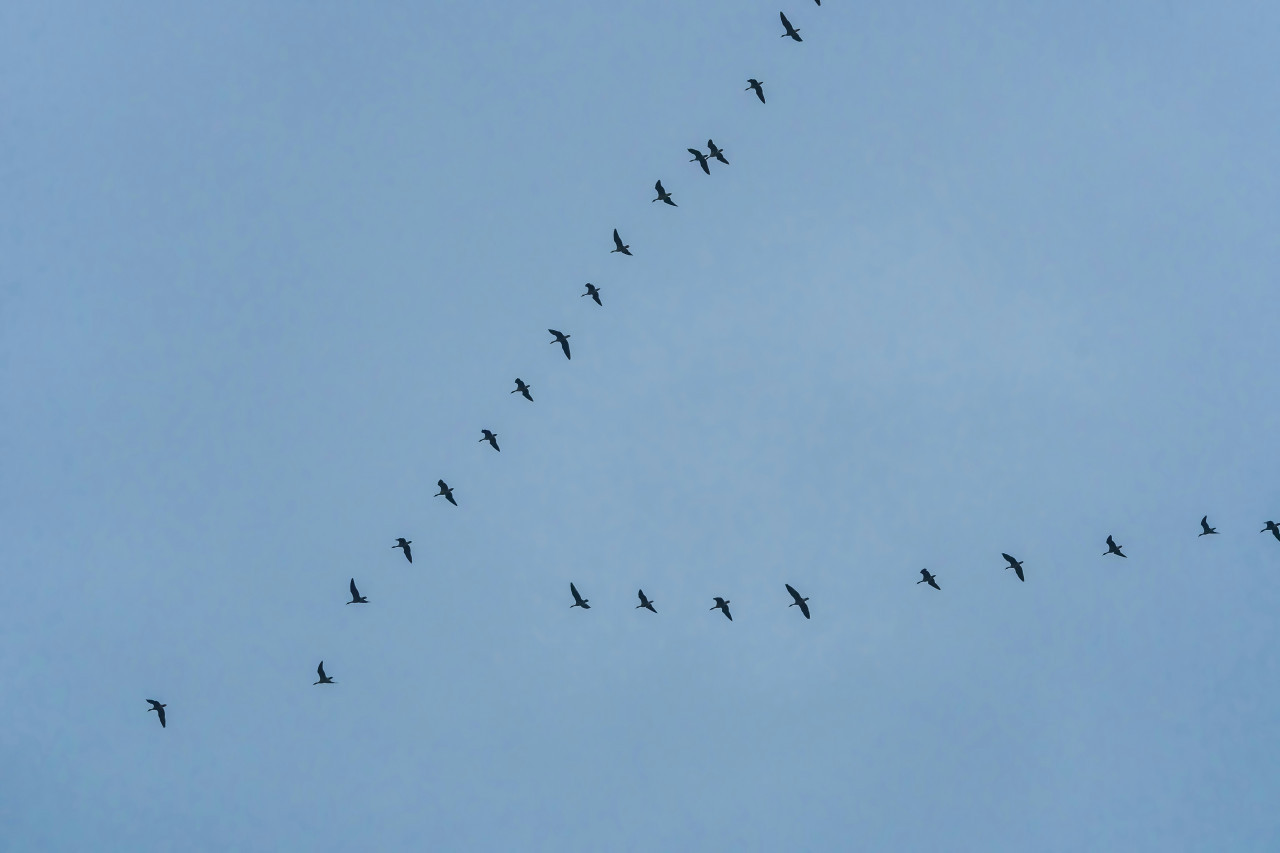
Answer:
(979, 278)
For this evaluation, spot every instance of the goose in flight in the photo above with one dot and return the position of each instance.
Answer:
(356, 597)
(158, 707)
(791, 31)
(663, 195)
(645, 603)
(492, 438)
(1016, 565)
(758, 86)
(716, 152)
(578, 600)
(700, 159)
(404, 543)
(561, 339)
(929, 578)
(1205, 529)
(593, 291)
(524, 389)
(1113, 548)
(617, 242)
(723, 604)
(1273, 527)
(445, 492)
(804, 608)
(324, 679)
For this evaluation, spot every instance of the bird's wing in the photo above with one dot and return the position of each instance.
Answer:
(804, 608)
(407, 555)
(1021, 577)
(785, 22)
(160, 712)
(355, 593)
(1012, 561)
(564, 345)
(658, 187)
(617, 241)
(933, 583)
(320, 670)
(573, 589)
(791, 589)
(1111, 543)
(727, 614)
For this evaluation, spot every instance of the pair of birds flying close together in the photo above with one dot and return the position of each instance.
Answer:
(713, 152)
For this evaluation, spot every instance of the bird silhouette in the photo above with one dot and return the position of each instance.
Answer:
(791, 31)
(929, 578)
(663, 195)
(521, 388)
(593, 291)
(758, 86)
(159, 709)
(723, 604)
(445, 492)
(492, 438)
(324, 679)
(700, 159)
(356, 597)
(404, 543)
(804, 608)
(1205, 529)
(1274, 528)
(645, 603)
(617, 242)
(1113, 548)
(561, 339)
(715, 152)
(1016, 565)
(578, 600)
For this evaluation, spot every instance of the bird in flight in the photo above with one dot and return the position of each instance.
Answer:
(804, 608)
(578, 600)
(158, 707)
(716, 152)
(1113, 548)
(324, 679)
(404, 543)
(929, 578)
(492, 438)
(723, 604)
(445, 492)
(356, 597)
(593, 291)
(1016, 565)
(561, 339)
(617, 242)
(1205, 529)
(758, 86)
(791, 31)
(645, 603)
(521, 388)
(700, 159)
(663, 195)
(1275, 530)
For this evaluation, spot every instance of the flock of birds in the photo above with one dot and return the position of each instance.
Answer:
(716, 153)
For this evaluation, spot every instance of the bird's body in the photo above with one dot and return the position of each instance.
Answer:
(1016, 565)
(791, 31)
(561, 339)
(1113, 548)
(757, 86)
(723, 604)
(645, 603)
(1274, 528)
(523, 389)
(158, 707)
(445, 492)
(578, 600)
(618, 245)
(929, 578)
(804, 608)
(404, 544)
(663, 195)
(716, 152)
(492, 438)
(700, 159)
(324, 679)
(356, 597)
(1205, 529)
(594, 292)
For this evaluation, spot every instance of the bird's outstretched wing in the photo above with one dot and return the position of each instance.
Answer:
(408, 555)
(160, 714)
(804, 608)
(791, 589)
(617, 241)
(933, 583)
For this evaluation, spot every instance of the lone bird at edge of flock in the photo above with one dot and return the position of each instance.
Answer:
(445, 492)
(929, 578)
(578, 600)
(804, 608)
(1113, 548)
(403, 543)
(618, 245)
(791, 31)
(561, 339)
(356, 597)
(758, 86)
(491, 437)
(1205, 529)
(723, 604)
(1016, 565)
(524, 389)
(158, 707)
(593, 291)
(645, 603)
(324, 679)
(663, 195)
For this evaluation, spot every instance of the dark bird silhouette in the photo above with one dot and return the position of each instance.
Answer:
(445, 492)
(929, 578)
(700, 159)
(404, 543)
(663, 195)
(562, 340)
(521, 388)
(791, 31)
(356, 597)
(1205, 529)
(594, 292)
(715, 152)
(1274, 528)
(324, 679)
(492, 438)
(578, 600)
(1113, 548)
(758, 86)
(1016, 565)
(723, 604)
(804, 608)
(645, 603)
(618, 247)
(159, 709)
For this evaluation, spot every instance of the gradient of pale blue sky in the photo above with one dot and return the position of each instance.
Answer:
(980, 278)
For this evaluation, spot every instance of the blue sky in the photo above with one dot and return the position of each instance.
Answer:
(981, 278)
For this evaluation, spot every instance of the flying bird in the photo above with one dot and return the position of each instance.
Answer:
(356, 597)
(1016, 565)
(593, 291)
(804, 608)
(791, 31)
(715, 152)
(723, 604)
(1205, 529)
(561, 339)
(758, 86)
(663, 195)
(521, 388)
(701, 159)
(1275, 530)
(158, 707)
(324, 679)
(929, 578)
(445, 492)
(1113, 548)
(578, 600)
(617, 242)
(404, 543)
(492, 438)
(645, 603)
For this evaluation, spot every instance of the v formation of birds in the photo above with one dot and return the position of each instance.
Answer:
(714, 153)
